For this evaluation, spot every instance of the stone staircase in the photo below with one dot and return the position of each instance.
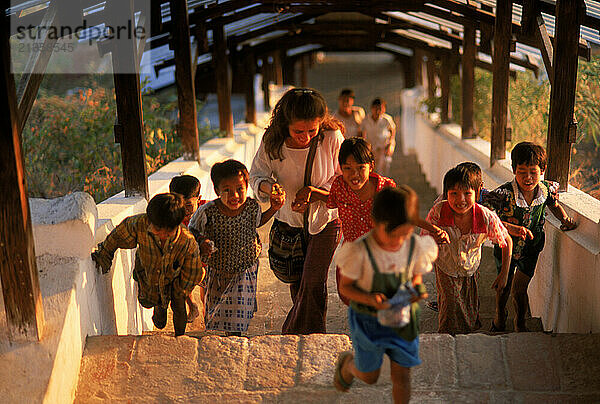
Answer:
(204, 367)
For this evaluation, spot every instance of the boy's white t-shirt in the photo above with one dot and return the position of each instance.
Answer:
(378, 132)
(352, 122)
(353, 259)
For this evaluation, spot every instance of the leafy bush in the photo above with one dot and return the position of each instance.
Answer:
(69, 145)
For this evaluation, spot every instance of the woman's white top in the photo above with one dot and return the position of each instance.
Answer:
(289, 172)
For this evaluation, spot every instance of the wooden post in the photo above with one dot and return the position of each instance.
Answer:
(468, 81)
(418, 66)
(561, 128)
(186, 93)
(266, 78)
(250, 69)
(409, 72)
(431, 87)
(289, 71)
(445, 72)
(129, 129)
(303, 72)
(223, 81)
(277, 68)
(18, 270)
(500, 66)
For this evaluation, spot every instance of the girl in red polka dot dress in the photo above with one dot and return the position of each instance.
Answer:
(352, 192)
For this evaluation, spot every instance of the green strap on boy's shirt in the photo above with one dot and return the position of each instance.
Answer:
(388, 284)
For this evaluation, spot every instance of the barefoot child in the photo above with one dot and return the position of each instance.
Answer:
(379, 130)
(167, 260)
(230, 222)
(373, 268)
(521, 204)
(188, 187)
(468, 226)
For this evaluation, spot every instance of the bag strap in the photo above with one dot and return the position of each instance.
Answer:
(371, 258)
(307, 174)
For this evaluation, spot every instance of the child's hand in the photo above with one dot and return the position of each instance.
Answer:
(101, 265)
(521, 232)
(277, 198)
(207, 248)
(389, 150)
(300, 203)
(500, 282)
(378, 301)
(441, 236)
(568, 224)
(416, 298)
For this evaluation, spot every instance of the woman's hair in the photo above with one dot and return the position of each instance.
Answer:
(358, 148)
(298, 104)
(187, 186)
(166, 210)
(395, 207)
(227, 169)
(528, 153)
(463, 177)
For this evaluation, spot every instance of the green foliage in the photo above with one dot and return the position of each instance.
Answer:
(68, 142)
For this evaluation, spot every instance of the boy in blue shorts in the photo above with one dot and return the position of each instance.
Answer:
(521, 205)
(373, 268)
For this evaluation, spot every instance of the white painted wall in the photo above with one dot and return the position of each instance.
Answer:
(565, 290)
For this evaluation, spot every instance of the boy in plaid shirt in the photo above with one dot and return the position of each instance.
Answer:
(167, 261)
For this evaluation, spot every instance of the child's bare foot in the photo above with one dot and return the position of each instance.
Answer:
(193, 313)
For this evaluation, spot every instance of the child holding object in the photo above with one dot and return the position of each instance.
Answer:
(188, 187)
(230, 222)
(167, 260)
(521, 204)
(468, 226)
(374, 268)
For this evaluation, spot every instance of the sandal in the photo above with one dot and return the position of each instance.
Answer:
(433, 305)
(338, 381)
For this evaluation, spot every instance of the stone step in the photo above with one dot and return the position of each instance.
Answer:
(527, 367)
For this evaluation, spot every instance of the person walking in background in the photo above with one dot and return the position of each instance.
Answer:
(468, 225)
(349, 114)
(374, 268)
(301, 122)
(230, 223)
(379, 130)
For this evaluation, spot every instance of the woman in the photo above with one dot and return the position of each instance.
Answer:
(299, 116)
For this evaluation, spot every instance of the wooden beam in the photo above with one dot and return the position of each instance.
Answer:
(562, 94)
(303, 71)
(418, 66)
(289, 71)
(265, 71)
(33, 74)
(249, 62)
(184, 72)
(18, 270)
(500, 62)
(545, 45)
(409, 72)
(468, 82)
(277, 69)
(129, 129)
(221, 66)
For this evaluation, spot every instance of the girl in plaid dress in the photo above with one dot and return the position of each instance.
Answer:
(230, 222)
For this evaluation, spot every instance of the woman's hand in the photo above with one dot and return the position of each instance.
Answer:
(277, 198)
(302, 200)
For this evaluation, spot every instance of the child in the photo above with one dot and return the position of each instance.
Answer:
(379, 130)
(350, 114)
(230, 222)
(468, 226)
(167, 261)
(188, 187)
(521, 204)
(373, 268)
